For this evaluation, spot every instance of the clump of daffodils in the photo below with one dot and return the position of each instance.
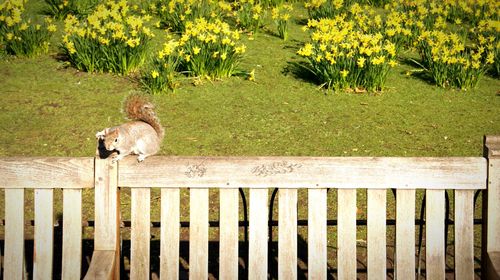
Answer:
(160, 76)
(20, 35)
(210, 49)
(111, 39)
(249, 14)
(344, 57)
(325, 8)
(175, 13)
(281, 16)
(451, 62)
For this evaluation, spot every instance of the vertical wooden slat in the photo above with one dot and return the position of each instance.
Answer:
(464, 234)
(72, 234)
(376, 234)
(317, 239)
(170, 226)
(140, 234)
(44, 234)
(14, 234)
(346, 240)
(287, 234)
(106, 205)
(434, 235)
(198, 234)
(258, 236)
(493, 210)
(228, 264)
(405, 234)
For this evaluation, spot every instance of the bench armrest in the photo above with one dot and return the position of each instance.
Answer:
(102, 266)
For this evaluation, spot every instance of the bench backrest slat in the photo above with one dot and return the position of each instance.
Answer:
(287, 234)
(72, 234)
(464, 234)
(170, 234)
(14, 234)
(316, 233)
(229, 216)
(434, 234)
(44, 234)
(376, 233)
(140, 233)
(405, 234)
(198, 234)
(346, 234)
(258, 235)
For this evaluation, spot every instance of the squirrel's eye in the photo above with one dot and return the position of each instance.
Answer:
(116, 140)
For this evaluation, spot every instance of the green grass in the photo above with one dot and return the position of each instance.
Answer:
(50, 110)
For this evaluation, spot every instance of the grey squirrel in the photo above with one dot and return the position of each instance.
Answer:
(141, 136)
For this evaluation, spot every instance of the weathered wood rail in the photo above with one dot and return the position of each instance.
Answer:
(464, 175)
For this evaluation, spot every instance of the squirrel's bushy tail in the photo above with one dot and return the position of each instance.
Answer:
(138, 107)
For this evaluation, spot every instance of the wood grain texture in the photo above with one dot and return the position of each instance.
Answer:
(434, 235)
(464, 234)
(376, 234)
(228, 262)
(44, 234)
(46, 172)
(287, 234)
(140, 233)
(346, 236)
(72, 234)
(405, 234)
(198, 234)
(14, 234)
(102, 265)
(170, 234)
(305, 172)
(258, 235)
(316, 234)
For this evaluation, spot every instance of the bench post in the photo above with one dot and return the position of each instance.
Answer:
(491, 211)
(105, 262)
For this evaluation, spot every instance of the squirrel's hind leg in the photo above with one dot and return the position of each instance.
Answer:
(141, 157)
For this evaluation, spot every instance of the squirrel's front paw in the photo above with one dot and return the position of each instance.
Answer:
(100, 135)
(116, 158)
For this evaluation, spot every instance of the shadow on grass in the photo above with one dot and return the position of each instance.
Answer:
(300, 71)
(420, 73)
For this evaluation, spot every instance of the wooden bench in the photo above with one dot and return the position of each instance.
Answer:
(463, 175)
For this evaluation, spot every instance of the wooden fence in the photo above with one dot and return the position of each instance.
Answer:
(464, 175)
